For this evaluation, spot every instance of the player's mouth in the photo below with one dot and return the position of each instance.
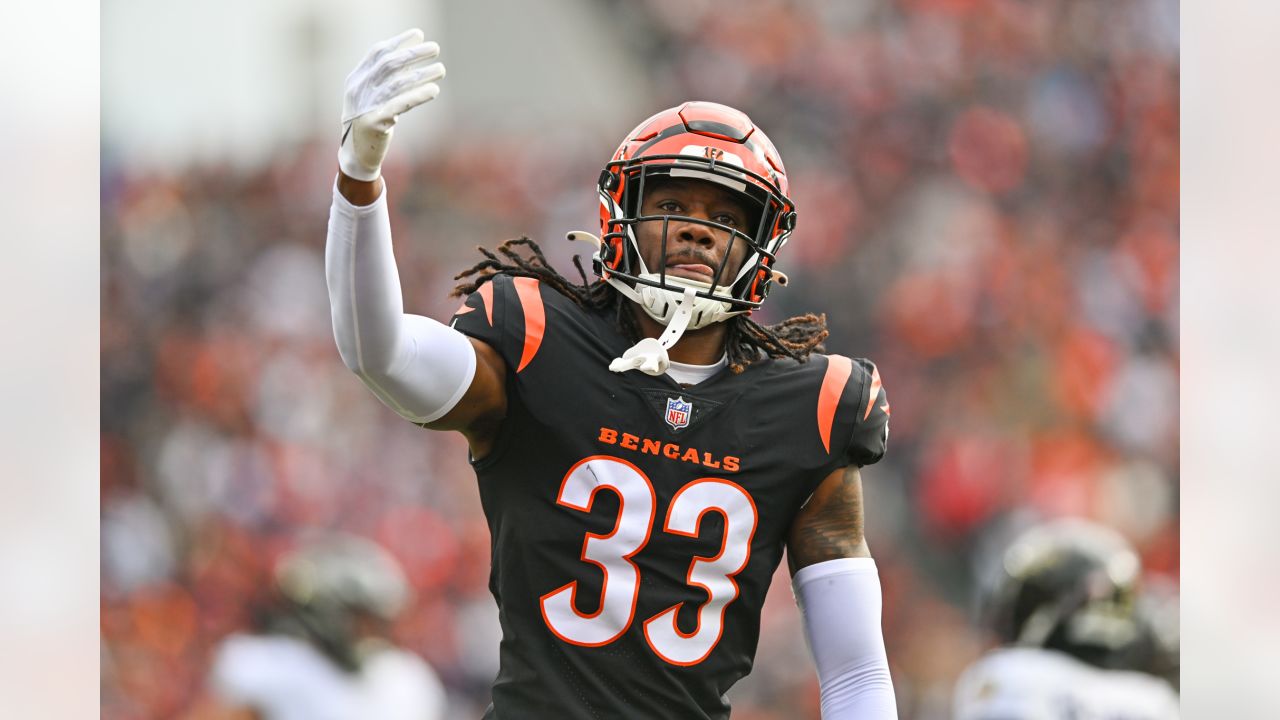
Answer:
(691, 270)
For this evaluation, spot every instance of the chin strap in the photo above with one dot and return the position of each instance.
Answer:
(649, 356)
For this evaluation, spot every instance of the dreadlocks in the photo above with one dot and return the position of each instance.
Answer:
(747, 340)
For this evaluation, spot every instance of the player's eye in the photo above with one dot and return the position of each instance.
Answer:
(670, 206)
(726, 219)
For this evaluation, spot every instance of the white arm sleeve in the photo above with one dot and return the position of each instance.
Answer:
(415, 365)
(840, 603)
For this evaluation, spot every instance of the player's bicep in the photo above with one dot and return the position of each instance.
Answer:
(484, 404)
(829, 526)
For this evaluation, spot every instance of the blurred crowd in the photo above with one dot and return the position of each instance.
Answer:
(988, 209)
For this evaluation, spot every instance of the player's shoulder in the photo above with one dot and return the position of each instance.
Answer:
(400, 684)
(503, 298)
(865, 381)
(392, 659)
(248, 667)
(851, 375)
(489, 300)
(515, 314)
(1014, 682)
(843, 396)
(1026, 663)
(847, 372)
(1029, 674)
(396, 665)
(246, 649)
(853, 393)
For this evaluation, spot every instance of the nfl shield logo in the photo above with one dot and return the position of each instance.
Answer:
(678, 412)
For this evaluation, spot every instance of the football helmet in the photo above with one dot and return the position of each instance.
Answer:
(344, 571)
(702, 141)
(329, 583)
(1068, 585)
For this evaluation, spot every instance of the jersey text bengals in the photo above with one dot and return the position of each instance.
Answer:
(609, 436)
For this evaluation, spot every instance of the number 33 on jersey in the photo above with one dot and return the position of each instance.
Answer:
(613, 552)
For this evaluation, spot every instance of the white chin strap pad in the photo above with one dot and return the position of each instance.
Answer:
(678, 312)
(649, 356)
(661, 303)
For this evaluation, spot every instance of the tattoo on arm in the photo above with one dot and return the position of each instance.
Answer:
(829, 526)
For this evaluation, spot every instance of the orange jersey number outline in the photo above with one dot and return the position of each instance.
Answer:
(612, 553)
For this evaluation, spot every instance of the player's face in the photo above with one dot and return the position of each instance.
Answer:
(693, 250)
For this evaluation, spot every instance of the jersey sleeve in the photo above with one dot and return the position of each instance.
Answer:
(486, 315)
(870, 435)
(509, 314)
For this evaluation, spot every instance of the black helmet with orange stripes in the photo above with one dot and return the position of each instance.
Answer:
(701, 141)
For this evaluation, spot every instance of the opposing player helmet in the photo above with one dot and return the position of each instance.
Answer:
(329, 583)
(702, 141)
(1068, 585)
(344, 571)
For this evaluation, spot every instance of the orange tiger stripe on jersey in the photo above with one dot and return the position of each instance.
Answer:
(838, 369)
(464, 309)
(535, 319)
(486, 294)
(875, 391)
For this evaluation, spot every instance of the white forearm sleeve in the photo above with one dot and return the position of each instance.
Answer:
(415, 365)
(840, 603)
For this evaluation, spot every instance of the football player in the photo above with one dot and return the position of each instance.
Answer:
(324, 653)
(644, 450)
(1063, 608)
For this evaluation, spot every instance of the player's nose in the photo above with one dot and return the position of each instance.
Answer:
(695, 232)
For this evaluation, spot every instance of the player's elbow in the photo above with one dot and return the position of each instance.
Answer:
(351, 356)
(375, 372)
(425, 377)
(347, 352)
(369, 360)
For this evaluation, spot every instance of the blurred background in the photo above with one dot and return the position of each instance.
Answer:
(988, 209)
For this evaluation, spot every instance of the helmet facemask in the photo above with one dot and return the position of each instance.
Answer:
(624, 185)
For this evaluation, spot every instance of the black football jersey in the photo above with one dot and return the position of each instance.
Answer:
(636, 523)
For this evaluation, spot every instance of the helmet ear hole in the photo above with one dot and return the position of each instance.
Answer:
(759, 285)
(613, 253)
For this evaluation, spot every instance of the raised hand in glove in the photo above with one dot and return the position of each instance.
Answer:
(396, 76)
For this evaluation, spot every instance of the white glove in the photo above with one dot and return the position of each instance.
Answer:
(391, 79)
